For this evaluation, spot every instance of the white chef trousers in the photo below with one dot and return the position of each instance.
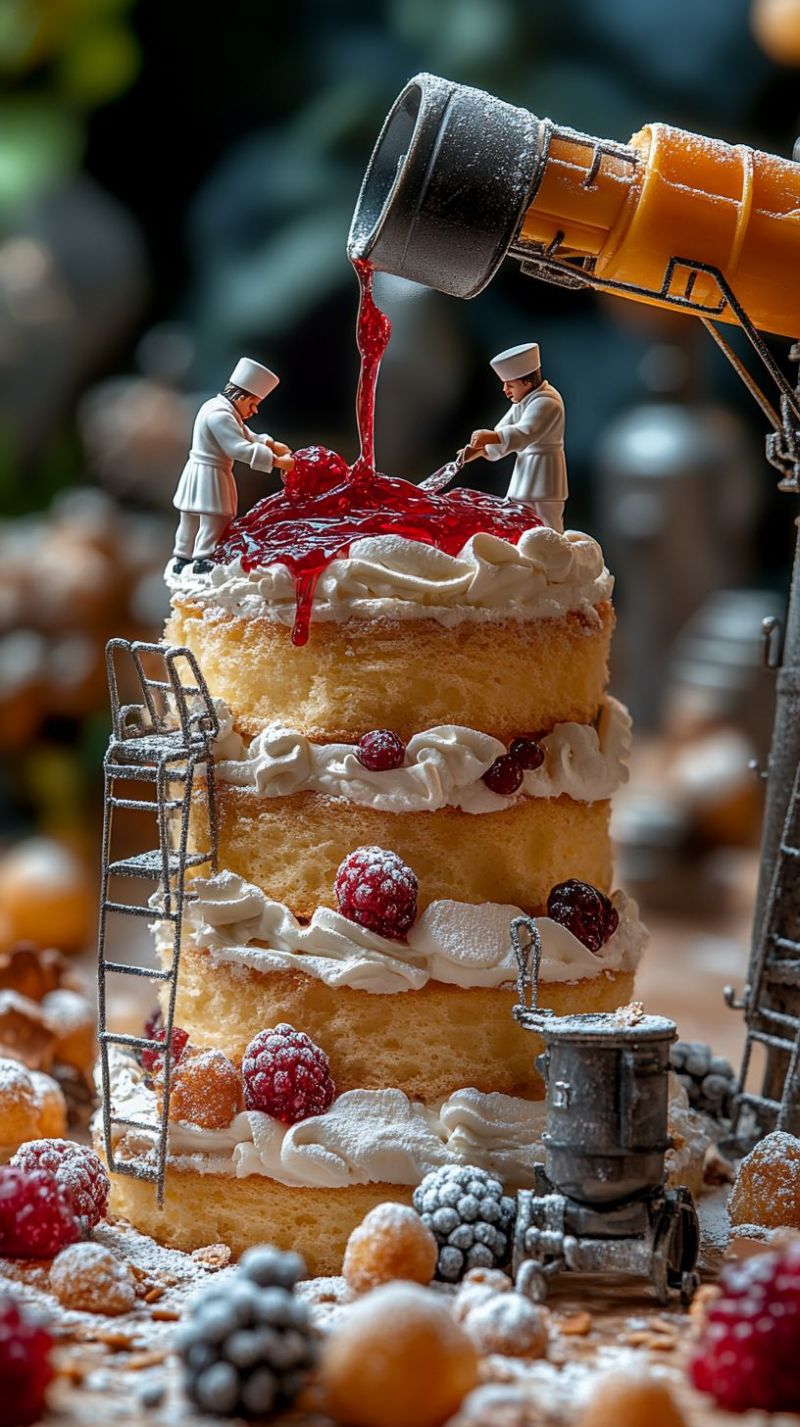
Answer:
(550, 512)
(197, 534)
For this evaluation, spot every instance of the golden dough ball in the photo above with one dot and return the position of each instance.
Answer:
(391, 1243)
(767, 1188)
(205, 1090)
(397, 1359)
(52, 1106)
(74, 1020)
(631, 1400)
(46, 894)
(20, 1108)
(776, 26)
(89, 1278)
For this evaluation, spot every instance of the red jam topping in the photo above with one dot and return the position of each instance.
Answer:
(326, 505)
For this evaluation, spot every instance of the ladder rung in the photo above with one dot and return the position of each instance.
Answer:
(146, 1125)
(780, 1018)
(777, 1042)
(784, 943)
(750, 1098)
(151, 864)
(122, 970)
(789, 851)
(139, 1170)
(120, 1038)
(135, 805)
(143, 773)
(133, 909)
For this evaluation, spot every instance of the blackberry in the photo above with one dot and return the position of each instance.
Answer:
(708, 1079)
(247, 1346)
(469, 1216)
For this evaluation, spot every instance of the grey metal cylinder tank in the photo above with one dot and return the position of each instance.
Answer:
(607, 1097)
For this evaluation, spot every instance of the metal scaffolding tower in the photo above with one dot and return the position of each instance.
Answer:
(165, 741)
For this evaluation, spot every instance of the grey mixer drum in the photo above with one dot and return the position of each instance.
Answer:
(607, 1104)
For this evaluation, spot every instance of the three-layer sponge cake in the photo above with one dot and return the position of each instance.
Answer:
(480, 640)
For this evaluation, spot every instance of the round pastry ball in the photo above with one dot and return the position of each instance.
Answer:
(776, 26)
(767, 1188)
(391, 1243)
(631, 1400)
(397, 1359)
(46, 895)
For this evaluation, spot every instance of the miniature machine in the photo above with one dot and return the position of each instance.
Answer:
(599, 1204)
(458, 180)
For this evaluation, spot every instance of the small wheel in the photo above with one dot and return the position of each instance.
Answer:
(532, 1282)
(690, 1282)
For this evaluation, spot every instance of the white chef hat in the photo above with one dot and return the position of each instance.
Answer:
(252, 377)
(516, 362)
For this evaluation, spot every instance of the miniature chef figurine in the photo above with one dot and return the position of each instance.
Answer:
(533, 427)
(207, 497)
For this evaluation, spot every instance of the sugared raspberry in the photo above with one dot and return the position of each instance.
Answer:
(35, 1219)
(380, 750)
(78, 1172)
(749, 1349)
(504, 776)
(25, 1367)
(527, 751)
(376, 889)
(155, 1030)
(585, 911)
(315, 470)
(286, 1075)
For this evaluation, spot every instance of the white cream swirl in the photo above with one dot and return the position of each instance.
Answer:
(458, 943)
(543, 576)
(443, 766)
(367, 1136)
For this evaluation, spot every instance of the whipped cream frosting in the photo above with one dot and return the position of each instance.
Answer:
(459, 943)
(543, 576)
(367, 1136)
(443, 766)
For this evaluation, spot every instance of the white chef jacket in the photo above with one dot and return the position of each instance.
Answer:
(534, 429)
(219, 438)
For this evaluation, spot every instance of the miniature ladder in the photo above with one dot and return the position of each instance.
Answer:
(771, 1002)
(165, 741)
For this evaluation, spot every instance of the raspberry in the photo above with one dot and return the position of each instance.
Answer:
(35, 1220)
(78, 1172)
(155, 1030)
(504, 776)
(376, 889)
(585, 911)
(286, 1075)
(747, 1355)
(527, 751)
(380, 750)
(25, 1367)
(315, 470)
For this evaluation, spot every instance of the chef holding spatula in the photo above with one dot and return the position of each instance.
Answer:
(533, 428)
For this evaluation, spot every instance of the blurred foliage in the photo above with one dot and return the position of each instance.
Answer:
(59, 59)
